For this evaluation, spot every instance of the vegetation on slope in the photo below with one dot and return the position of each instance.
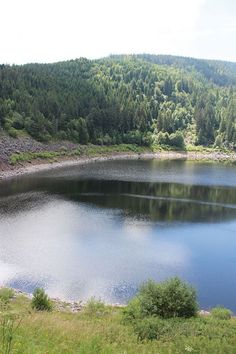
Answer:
(123, 99)
(98, 328)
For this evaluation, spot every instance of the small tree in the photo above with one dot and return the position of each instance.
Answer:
(177, 140)
(171, 298)
(40, 301)
(163, 138)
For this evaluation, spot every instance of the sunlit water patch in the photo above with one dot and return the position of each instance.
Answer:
(103, 228)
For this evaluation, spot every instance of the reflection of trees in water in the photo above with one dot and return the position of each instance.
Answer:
(156, 201)
(178, 202)
(22, 202)
(161, 210)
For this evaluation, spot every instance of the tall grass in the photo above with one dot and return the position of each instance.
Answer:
(90, 332)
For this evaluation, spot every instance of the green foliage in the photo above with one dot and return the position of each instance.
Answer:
(77, 131)
(40, 301)
(133, 311)
(133, 137)
(9, 323)
(162, 138)
(171, 298)
(64, 332)
(121, 100)
(177, 140)
(39, 126)
(153, 328)
(12, 132)
(6, 295)
(221, 313)
(46, 155)
(95, 307)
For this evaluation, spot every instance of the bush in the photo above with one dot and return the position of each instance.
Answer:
(152, 328)
(6, 294)
(12, 132)
(147, 139)
(132, 312)
(40, 301)
(221, 313)
(162, 138)
(133, 137)
(170, 329)
(95, 307)
(107, 140)
(171, 298)
(177, 140)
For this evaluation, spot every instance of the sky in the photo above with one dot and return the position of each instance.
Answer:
(56, 30)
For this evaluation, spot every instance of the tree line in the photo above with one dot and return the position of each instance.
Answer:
(120, 99)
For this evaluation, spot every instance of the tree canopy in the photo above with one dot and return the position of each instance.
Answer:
(129, 99)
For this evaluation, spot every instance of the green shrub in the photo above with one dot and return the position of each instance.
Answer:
(162, 138)
(95, 307)
(218, 141)
(174, 140)
(132, 312)
(12, 132)
(152, 328)
(133, 137)
(40, 301)
(221, 313)
(177, 140)
(6, 294)
(171, 298)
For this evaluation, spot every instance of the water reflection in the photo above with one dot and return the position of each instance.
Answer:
(82, 234)
(154, 201)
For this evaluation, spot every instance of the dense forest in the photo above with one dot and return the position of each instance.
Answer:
(140, 99)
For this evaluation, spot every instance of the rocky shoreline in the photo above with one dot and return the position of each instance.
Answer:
(9, 146)
(77, 306)
(37, 165)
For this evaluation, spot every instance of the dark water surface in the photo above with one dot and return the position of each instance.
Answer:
(100, 229)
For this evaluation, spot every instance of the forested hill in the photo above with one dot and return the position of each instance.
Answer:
(219, 72)
(140, 99)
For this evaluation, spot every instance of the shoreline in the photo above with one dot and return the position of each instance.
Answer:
(40, 165)
(77, 306)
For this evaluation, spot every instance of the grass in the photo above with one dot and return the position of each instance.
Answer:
(98, 331)
(89, 150)
(92, 150)
(45, 155)
(207, 149)
(6, 294)
(98, 150)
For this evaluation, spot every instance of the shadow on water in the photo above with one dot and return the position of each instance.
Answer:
(155, 201)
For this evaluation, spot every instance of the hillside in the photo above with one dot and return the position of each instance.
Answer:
(141, 99)
(221, 73)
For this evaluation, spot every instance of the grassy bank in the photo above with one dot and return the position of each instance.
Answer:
(96, 150)
(90, 150)
(101, 329)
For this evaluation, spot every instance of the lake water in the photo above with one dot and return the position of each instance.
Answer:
(102, 228)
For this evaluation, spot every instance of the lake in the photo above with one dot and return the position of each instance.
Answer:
(102, 228)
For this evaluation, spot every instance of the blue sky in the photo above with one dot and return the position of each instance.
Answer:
(53, 30)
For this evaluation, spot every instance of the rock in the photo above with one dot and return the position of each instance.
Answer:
(204, 313)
